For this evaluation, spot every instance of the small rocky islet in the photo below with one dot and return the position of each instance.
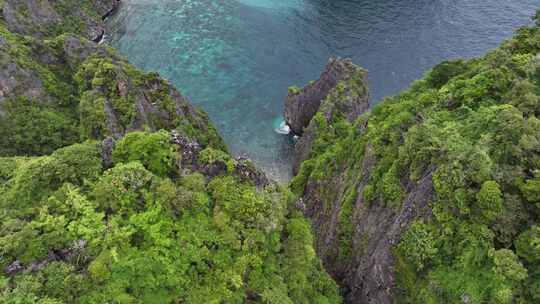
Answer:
(114, 188)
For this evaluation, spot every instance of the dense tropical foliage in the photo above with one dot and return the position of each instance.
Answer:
(74, 232)
(145, 223)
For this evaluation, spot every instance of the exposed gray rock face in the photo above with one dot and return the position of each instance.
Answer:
(19, 81)
(341, 90)
(369, 275)
(364, 264)
(29, 17)
(189, 160)
(107, 147)
(105, 8)
(58, 255)
(189, 150)
(246, 171)
(20, 73)
(302, 105)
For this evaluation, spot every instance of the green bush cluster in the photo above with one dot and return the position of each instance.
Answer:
(141, 233)
(153, 150)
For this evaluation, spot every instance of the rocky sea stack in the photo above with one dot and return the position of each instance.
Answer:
(339, 75)
(342, 90)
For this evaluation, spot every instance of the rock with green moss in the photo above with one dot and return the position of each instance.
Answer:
(340, 93)
(340, 76)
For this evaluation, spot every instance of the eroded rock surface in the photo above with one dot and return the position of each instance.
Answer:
(341, 90)
(354, 238)
(302, 104)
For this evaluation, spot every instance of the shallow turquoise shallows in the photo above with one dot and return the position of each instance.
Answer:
(236, 59)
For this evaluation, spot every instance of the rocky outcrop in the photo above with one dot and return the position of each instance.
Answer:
(355, 238)
(76, 249)
(341, 90)
(107, 148)
(131, 100)
(27, 61)
(240, 167)
(302, 104)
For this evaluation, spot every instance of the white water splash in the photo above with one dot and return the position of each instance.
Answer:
(283, 128)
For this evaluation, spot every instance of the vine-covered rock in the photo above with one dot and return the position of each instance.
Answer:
(341, 93)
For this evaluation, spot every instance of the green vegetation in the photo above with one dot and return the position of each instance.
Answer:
(131, 234)
(147, 231)
(294, 90)
(34, 129)
(473, 126)
(153, 150)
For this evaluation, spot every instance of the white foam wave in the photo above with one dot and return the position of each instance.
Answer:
(283, 128)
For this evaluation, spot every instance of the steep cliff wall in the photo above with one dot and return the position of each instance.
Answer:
(430, 197)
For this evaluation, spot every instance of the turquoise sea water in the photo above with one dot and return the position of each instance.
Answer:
(236, 58)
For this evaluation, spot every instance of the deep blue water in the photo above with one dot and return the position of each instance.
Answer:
(236, 58)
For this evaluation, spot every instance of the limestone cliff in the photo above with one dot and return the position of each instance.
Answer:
(341, 90)
(302, 104)
(47, 18)
(428, 197)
